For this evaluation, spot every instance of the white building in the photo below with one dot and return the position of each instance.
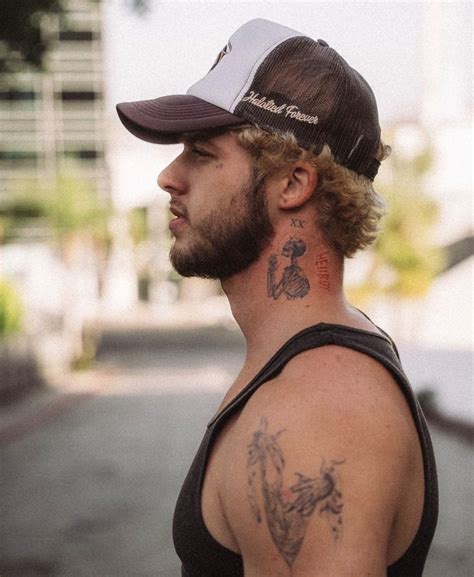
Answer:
(54, 119)
(52, 122)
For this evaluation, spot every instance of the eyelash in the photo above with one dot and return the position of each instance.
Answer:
(200, 152)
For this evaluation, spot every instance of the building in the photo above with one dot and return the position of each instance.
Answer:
(52, 123)
(53, 120)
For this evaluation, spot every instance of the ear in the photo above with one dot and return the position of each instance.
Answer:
(299, 185)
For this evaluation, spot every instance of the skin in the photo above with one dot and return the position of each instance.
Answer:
(229, 235)
(320, 474)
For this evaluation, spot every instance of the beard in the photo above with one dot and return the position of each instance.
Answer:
(226, 242)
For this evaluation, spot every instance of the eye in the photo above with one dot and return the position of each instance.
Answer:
(201, 152)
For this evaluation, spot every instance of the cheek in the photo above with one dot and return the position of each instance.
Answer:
(219, 189)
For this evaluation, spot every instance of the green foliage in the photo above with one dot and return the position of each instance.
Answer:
(69, 206)
(138, 227)
(405, 248)
(11, 310)
(404, 260)
(21, 35)
(20, 30)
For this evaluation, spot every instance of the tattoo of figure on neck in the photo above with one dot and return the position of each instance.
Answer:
(297, 223)
(293, 283)
(287, 510)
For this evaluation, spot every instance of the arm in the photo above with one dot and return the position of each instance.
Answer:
(316, 485)
(287, 508)
(274, 289)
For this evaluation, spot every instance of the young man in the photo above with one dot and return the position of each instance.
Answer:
(318, 462)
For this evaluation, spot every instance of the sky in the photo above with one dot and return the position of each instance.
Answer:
(174, 44)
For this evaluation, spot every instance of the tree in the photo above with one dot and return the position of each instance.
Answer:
(68, 214)
(405, 260)
(11, 309)
(68, 208)
(20, 32)
(21, 40)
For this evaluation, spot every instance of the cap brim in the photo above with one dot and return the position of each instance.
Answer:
(164, 120)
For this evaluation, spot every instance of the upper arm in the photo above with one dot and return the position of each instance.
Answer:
(315, 474)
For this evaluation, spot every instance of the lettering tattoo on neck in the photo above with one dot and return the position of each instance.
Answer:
(322, 271)
(297, 223)
(287, 509)
(293, 282)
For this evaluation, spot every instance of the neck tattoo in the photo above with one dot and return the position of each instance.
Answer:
(293, 282)
(322, 271)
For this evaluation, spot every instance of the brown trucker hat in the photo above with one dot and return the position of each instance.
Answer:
(277, 79)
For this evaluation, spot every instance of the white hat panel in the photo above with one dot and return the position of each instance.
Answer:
(248, 47)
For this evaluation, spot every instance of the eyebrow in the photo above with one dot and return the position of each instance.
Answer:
(202, 136)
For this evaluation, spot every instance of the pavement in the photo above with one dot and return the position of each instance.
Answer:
(91, 466)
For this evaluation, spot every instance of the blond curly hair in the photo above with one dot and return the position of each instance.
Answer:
(349, 208)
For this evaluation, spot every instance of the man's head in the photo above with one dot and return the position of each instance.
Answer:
(285, 99)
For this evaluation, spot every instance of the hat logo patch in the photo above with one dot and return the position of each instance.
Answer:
(289, 111)
(227, 48)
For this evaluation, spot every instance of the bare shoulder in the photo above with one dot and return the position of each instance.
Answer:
(319, 459)
(338, 385)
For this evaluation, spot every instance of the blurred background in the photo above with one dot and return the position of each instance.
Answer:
(111, 364)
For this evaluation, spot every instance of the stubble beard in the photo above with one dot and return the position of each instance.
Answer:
(225, 243)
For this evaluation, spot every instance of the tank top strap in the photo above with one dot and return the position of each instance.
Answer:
(377, 345)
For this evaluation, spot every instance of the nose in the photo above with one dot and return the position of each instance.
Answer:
(171, 180)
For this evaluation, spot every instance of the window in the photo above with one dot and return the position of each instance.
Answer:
(18, 158)
(18, 155)
(83, 154)
(13, 95)
(78, 35)
(79, 95)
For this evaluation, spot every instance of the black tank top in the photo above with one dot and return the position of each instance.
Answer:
(203, 556)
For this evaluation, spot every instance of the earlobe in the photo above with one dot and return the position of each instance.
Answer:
(301, 183)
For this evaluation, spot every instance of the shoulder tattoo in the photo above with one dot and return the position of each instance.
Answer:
(287, 508)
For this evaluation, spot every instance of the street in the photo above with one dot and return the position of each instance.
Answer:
(88, 490)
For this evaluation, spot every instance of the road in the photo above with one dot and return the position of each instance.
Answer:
(90, 471)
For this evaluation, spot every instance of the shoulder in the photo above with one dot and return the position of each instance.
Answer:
(318, 459)
(335, 389)
(339, 400)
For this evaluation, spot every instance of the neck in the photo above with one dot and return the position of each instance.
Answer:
(294, 284)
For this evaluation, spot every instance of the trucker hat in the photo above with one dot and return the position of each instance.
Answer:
(280, 80)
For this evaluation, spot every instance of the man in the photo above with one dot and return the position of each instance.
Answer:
(318, 462)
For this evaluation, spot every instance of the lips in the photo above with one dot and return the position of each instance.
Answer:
(179, 212)
(180, 220)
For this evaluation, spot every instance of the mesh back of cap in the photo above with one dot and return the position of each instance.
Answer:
(306, 88)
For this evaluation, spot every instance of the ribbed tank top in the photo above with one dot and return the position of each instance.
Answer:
(202, 555)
